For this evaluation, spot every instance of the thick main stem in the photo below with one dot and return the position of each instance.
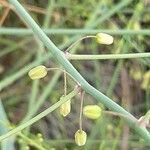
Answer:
(60, 57)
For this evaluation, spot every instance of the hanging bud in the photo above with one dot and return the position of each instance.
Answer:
(92, 111)
(40, 137)
(38, 72)
(27, 148)
(146, 81)
(136, 74)
(65, 108)
(80, 137)
(104, 38)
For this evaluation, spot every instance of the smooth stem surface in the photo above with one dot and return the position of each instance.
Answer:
(35, 83)
(8, 144)
(79, 40)
(24, 31)
(89, 24)
(65, 83)
(106, 56)
(39, 116)
(81, 109)
(60, 57)
(42, 97)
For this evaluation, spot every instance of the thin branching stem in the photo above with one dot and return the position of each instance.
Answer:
(40, 116)
(81, 109)
(106, 56)
(79, 40)
(65, 83)
(61, 58)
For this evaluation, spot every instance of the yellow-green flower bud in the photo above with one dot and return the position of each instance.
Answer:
(136, 74)
(146, 81)
(92, 111)
(104, 38)
(27, 148)
(38, 72)
(65, 108)
(80, 137)
(40, 137)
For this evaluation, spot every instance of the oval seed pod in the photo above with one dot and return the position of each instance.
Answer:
(146, 81)
(27, 148)
(38, 72)
(80, 137)
(92, 111)
(65, 108)
(104, 38)
(136, 74)
(40, 137)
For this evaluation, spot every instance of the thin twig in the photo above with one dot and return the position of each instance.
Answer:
(60, 69)
(40, 115)
(81, 109)
(106, 56)
(79, 40)
(65, 83)
(59, 56)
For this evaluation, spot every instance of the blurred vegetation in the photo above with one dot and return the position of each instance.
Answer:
(127, 82)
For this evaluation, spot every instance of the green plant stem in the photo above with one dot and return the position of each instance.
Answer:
(40, 116)
(117, 136)
(147, 95)
(10, 79)
(132, 142)
(47, 19)
(138, 49)
(53, 82)
(61, 58)
(65, 82)
(124, 48)
(81, 109)
(106, 56)
(24, 31)
(102, 145)
(31, 142)
(42, 97)
(35, 85)
(79, 40)
(41, 49)
(8, 144)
